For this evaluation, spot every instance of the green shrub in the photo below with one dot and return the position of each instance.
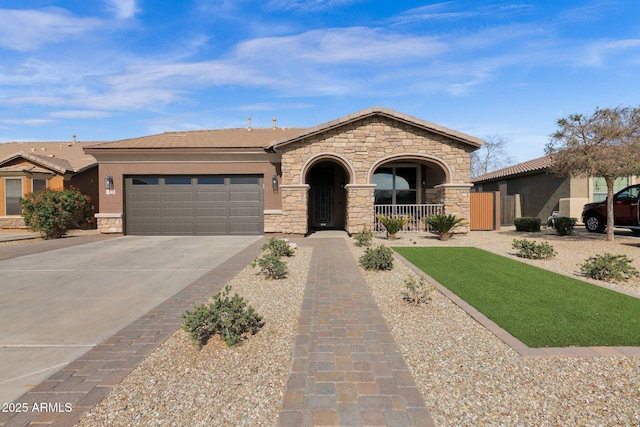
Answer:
(271, 266)
(608, 267)
(417, 291)
(53, 212)
(392, 223)
(278, 247)
(231, 318)
(443, 224)
(564, 225)
(527, 223)
(380, 258)
(364, 237)
(533, 250)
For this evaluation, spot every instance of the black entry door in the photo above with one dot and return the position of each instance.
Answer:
(327, 196)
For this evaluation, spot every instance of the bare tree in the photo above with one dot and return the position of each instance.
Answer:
(605, 144)
(491, 156)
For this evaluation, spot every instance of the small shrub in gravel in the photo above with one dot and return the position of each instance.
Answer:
(564, 225)
(417, 292)
(532, 250)
(271, 266)
(380, 258)
(363, 238)
(230, 318)
(278, 247)
(608, 267)
(527, 223)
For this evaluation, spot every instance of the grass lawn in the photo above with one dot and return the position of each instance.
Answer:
(540, 308)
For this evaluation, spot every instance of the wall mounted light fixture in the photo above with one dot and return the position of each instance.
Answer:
(109, 187)
(274, 183)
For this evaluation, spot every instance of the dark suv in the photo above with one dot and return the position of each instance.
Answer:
(625, 211)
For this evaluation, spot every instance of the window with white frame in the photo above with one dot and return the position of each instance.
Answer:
(12, 195)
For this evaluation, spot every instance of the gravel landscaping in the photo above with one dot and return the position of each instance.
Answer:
(470, 377)
(180, 385)
(466, 375)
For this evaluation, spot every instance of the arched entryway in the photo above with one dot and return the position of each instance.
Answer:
(327, 200)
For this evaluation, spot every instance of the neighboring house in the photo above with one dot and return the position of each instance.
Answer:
(29, 166)
(287, 181)
(541, 193)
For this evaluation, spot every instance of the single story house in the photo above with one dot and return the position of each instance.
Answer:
(542, 193)
(30, 166)
(336, 175)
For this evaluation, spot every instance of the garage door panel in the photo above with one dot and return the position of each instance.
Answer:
(146, 197)
(175, 196)
(243, 196)
(213, 196)
(210, 205)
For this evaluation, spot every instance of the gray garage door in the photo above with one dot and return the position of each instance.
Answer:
(194, 205)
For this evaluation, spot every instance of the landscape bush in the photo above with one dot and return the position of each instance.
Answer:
(608, 267)
(279, 247)
(363, 238)
(230, 318)
(443, 224)
(54, 212)
(564, 225)
(417, 292)
(527, 223)
(392, 223)
(532, 250)
(380, 258)
(271, 266)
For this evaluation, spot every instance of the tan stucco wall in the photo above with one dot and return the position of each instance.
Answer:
(360, 147)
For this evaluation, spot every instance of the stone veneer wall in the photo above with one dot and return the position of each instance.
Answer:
(362, 144)
(12, 222)
(359, 207)
(294, 208)
(110, 223)
(456, 200)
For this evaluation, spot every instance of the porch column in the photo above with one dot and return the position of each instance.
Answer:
(294, 208)
(455, 198)
(359, 207)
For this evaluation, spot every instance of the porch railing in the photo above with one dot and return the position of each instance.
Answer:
(414, 212)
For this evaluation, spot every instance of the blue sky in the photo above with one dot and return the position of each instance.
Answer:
(115, 69)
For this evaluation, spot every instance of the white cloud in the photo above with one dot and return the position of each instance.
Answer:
(340, 45)
(25, 30)
(27, 122)
(79, 114)
(309, 5)
(123, 9)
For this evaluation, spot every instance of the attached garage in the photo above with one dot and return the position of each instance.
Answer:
(194, 205)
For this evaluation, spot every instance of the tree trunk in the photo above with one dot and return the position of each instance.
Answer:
(610, 218)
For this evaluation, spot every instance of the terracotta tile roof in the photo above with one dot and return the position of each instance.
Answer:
(529, 166)
(214, 138)
(61, 156)
(379, 111)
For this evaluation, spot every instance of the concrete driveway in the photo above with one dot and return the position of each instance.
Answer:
(57, 305)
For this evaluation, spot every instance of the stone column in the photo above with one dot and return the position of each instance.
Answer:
(359, 207)
(294, 209)
(455, 198)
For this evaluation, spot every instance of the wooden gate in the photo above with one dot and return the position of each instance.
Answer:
(483, 211)
(507, 210)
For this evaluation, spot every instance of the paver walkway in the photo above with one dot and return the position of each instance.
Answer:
(346, 368)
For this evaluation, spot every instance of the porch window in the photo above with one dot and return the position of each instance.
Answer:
(396, 185)
(12, 195)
